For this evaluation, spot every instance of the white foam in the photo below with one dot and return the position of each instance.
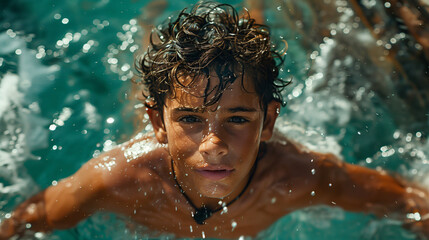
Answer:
(13, 147)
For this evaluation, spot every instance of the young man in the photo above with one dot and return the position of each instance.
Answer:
(212, 167)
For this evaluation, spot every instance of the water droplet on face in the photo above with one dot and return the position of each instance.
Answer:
(190, 228)
(313, 171)
(273, 200)
(313, 193)
(224, 210)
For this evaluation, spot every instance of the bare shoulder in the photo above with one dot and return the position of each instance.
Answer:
(286, 153)
(290, 166)
(139, 160)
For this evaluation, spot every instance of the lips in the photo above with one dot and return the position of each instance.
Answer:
(215, 173)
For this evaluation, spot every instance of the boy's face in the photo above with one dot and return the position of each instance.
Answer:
(214, 148)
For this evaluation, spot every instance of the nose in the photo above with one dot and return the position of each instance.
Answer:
(213, 146)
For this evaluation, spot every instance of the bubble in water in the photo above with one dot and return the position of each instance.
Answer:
(110, 120)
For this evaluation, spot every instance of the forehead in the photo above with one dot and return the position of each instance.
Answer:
(192, 90)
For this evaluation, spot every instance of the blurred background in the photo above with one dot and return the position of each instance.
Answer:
(360, 90)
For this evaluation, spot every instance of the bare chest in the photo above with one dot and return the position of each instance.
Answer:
(169, 212)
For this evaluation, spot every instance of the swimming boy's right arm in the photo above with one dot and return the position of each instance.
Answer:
(58, 207)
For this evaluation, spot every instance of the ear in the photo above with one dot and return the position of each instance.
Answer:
(158, 125)
(273, 110)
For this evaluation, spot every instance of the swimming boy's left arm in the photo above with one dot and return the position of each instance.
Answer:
(356, 188)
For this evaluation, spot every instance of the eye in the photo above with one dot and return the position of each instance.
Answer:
(237, 119)
(189, 119)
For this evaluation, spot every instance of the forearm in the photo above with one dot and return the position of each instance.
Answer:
(374, 191)
(57, 207)
(30, 215)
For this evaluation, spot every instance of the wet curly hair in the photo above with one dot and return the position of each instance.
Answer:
(211, 36)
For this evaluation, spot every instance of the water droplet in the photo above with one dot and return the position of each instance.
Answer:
(313, 171)
(233, 225)
(54, 183)
(110, 120)
(313, 193)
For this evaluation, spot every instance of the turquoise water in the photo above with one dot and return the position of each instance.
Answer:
(65, 96)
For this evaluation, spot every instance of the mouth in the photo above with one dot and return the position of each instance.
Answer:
(215, 174)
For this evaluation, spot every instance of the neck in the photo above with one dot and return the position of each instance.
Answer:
(198, 200)
(204, 207)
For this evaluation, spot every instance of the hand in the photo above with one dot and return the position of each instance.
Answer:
(7, 229)
(420, 227)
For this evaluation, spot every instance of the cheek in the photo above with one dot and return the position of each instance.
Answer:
(246, 141)
(182, 143)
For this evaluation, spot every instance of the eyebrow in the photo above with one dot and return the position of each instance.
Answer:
(200, 110)
(241, 109)
(188, 109)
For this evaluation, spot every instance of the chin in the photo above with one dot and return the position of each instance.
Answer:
(215, 190)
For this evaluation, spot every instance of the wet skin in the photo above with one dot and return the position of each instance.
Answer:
(213, 151)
